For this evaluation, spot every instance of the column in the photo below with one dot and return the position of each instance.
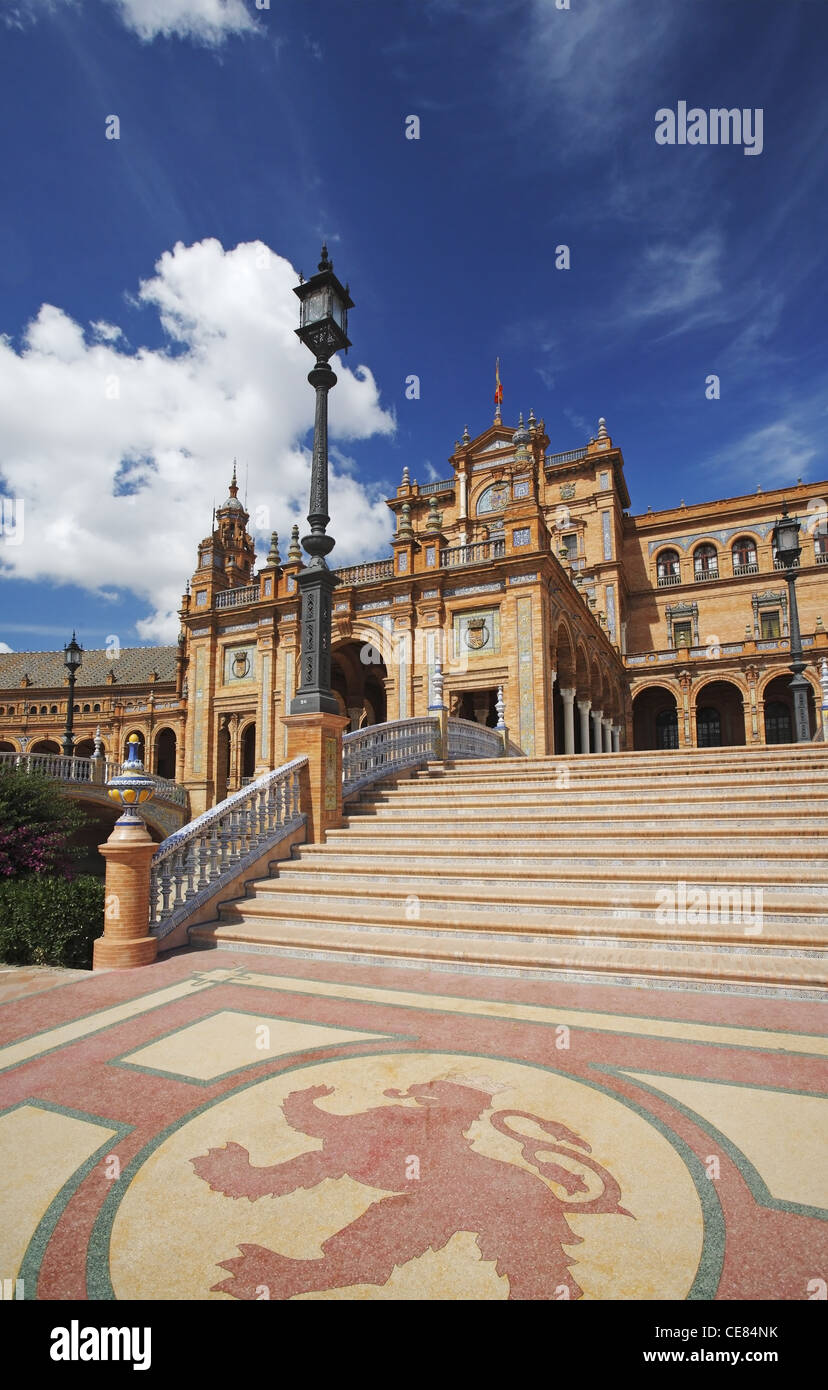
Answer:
(596, 730)
(583, 711)
(607, 726)
(616, 738)
(568, 697)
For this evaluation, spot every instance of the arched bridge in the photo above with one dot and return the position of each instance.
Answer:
(84, 779)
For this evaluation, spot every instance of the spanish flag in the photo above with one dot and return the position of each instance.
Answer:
(498, 400)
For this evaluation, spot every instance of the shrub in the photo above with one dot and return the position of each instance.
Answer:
(36, 822)
(45, 920)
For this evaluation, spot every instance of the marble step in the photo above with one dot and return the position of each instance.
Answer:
(565, 916)
(644, 960)
(537, 876)
(780, 908)
(561, 806)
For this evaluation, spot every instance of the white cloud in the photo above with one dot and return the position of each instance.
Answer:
(772, 455)
(4, 647)
(206, 21)
(119, 455)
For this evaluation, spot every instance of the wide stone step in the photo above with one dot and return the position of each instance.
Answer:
(788, 829)
(779, 907)
(609, 851)
(536, 877)
(721, 921)
(561, 806)
(745, 963)
(539, 792)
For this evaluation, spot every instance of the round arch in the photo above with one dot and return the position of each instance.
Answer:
(166, 744)
(45, 745)
(655, 715)
(719, 713)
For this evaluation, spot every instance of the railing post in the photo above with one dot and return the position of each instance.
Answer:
(440, 712)
(126, 941)
(502, 727)
(318, 737)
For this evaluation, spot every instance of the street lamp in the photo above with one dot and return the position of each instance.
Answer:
(788, 550)
(72, 654)
(324, 330)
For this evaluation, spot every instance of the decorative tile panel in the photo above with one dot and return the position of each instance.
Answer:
(526, 676)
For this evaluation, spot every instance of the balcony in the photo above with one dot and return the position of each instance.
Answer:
(702, 576)
(472, 554)
(366, 573)
(235, 598)
(665, 581)
(427, 488)
(750, 568)
(821, 558)
(780, 565)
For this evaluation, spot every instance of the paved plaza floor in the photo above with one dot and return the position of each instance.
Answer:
(243, 1126)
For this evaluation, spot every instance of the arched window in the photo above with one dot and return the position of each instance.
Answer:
(667, 729)
(43, 709)
(744, 556)
(705, 562)
(778, 722)
(53, 709)
(86, 709)
(708, 727)
(821, 547)
(96, 709)
(668, 568)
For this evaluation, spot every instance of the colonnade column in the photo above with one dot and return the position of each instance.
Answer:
(568, 697)
(583, 711)
(596, 730)
(616, 738)
(607, 724)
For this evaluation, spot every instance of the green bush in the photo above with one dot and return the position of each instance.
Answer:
(50, 921)
(36, 823)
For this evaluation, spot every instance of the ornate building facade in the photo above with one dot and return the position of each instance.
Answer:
(523, 570)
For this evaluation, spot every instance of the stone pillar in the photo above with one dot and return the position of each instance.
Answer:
(354, 715)
(616, 738)
(596, 730)
(607, 725)
(568, 697)
(583, 711)
(823, 681)
(126, 941)
(318, 735)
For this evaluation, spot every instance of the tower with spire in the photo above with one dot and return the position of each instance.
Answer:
(228, 552)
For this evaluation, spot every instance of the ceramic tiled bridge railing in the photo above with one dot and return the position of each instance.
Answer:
(90, 771)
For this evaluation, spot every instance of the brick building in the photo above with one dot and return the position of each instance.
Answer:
(522, 569)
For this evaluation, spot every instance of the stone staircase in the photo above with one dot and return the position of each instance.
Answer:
(569, 865)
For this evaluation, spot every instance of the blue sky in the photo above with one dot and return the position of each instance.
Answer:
(142, 261)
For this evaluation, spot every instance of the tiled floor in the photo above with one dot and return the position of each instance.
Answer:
(237, 1126)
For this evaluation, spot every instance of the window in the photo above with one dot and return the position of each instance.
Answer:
(705, 562)
(668, 568)
(570, 542)
(777, 723)
(667, 729)
(682, 634)
(744, 556)
(708, 728)
(821, 547)
(770, 624)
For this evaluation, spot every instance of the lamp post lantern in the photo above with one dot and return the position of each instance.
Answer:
(72, 654)
(323, 328)
(788, 550)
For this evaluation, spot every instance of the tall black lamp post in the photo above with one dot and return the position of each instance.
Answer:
(788, 550)
(324, 329)
(72, 654)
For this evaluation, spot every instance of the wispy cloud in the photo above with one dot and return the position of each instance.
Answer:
(205, 21)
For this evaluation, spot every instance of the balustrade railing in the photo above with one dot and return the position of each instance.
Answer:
(472, 554)
(366, 573)
(427, 488)
(468, 739)
(190, 866)
(91, 770)
(234, 598)
(380, 749)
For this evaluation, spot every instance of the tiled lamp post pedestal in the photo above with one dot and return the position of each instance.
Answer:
(126, 941)
(318, 737)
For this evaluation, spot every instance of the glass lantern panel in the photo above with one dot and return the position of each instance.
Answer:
(315, 307)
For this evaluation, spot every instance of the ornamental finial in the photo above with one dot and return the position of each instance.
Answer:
(325, 264)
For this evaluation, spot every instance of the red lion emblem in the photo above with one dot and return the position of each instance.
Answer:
(518, 1220)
